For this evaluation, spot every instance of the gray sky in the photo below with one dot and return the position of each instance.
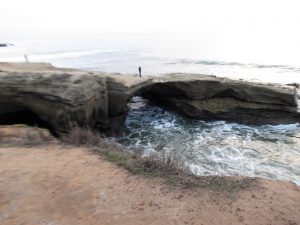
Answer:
(96, 16)
(265, 31)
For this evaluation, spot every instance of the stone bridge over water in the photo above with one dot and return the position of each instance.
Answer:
(63, 98)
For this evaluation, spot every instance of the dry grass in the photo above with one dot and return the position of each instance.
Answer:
(83, 137)
(1, 137)
(165, 168)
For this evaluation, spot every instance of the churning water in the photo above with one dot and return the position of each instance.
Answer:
(212, 148)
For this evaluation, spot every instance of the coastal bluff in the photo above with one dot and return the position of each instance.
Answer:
(65, 97)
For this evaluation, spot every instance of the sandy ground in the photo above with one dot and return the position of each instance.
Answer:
(55, 185)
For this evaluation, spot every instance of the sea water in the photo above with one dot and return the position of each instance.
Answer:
(159, 54)
(213, 148)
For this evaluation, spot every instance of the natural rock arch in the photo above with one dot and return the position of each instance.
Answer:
(67, 97)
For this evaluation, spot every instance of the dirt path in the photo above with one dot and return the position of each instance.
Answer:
(56, 186)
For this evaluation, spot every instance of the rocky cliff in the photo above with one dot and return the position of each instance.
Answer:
(210, 97)
(67, 97)
(60, 97)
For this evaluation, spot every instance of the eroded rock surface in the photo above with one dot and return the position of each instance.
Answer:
(62, 98)
(209, 97)
(67, 97)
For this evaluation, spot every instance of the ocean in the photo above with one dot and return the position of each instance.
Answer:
(159, 54)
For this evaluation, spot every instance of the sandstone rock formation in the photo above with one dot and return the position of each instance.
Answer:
(67, 97)
(210, 97)
(62, 98)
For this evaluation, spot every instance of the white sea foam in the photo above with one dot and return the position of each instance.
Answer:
(211, 148)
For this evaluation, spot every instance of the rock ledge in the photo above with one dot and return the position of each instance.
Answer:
(67, 97)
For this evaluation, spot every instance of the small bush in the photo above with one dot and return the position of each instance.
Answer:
(82, 137)
(164, 167)
(1, 137)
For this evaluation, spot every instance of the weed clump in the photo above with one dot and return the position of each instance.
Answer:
(163, 167)
(82, 137)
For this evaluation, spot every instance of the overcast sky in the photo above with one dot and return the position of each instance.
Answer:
(265, 31)
(95, 16)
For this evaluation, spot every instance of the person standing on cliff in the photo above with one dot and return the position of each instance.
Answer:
(140, 71)
(26, 58)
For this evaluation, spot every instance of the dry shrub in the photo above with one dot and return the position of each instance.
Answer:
(82, 137)
(164, 167)
(156, 166)
(1, 136)
(179, 176)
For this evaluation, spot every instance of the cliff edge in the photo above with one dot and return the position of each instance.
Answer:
(66, 97)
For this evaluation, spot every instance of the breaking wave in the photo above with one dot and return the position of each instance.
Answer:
(214, 148)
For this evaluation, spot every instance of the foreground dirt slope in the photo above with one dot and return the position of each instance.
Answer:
(55, 185)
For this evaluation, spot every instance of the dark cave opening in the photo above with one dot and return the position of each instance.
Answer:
(15, 114)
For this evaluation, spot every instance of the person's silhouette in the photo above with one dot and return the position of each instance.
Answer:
(140, 71)
(26, 58)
